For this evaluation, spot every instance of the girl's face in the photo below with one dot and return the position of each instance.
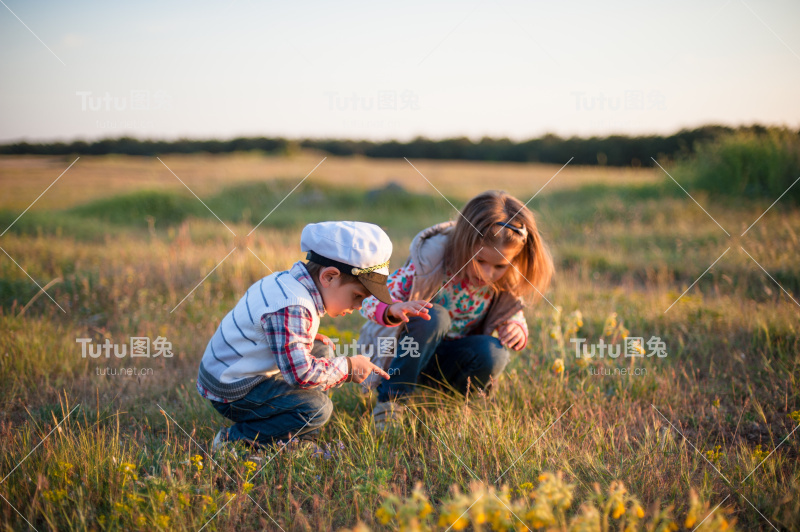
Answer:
(492, 263)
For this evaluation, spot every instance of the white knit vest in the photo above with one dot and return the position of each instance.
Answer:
(237, 357)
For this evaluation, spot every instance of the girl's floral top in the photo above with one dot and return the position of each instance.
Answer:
(466, 303)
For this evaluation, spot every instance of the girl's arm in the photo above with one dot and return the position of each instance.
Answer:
(399, 284)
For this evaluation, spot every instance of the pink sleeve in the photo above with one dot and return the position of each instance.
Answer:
(399, 284)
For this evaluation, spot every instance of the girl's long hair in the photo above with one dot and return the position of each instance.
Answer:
(531, 269)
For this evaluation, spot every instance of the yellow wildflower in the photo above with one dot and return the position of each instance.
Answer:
(619, 509)
(383, 515)
(425, 511)
(639, 511)
(558, 366)
(758, 454)
(714, 454)
(197, 460)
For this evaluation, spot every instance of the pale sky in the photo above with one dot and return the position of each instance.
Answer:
(380, 70)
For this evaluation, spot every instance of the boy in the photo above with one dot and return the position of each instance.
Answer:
(266, 368)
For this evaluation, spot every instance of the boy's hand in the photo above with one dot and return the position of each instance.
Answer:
(325, 340)
(401, 310)
(512, 335)
(361, 368)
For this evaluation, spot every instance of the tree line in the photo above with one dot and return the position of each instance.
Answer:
(614, 150)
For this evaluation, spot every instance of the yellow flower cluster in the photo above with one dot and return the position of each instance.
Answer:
(543, 507)
(759, 454)
(616, 330)
(197, 462)
(409, 515)
(714, 454)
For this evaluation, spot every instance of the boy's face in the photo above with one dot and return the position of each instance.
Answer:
(340, 298)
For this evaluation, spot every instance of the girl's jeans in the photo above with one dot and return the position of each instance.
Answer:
(481, 358)
(275, 410)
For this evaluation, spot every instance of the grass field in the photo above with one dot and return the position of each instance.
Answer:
(651, 443)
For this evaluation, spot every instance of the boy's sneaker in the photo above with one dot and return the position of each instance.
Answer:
(387, 414)
(220, 440)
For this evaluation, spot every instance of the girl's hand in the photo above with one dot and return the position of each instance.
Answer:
(401, 310)
(512, 335)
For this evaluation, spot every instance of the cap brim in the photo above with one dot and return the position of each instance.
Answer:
(376, 284)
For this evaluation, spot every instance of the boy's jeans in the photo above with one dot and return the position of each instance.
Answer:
(479, 357)
(275, 410)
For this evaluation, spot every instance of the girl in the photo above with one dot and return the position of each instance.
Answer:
(473, 273)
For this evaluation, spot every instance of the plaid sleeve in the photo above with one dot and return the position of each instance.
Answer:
(288, 334)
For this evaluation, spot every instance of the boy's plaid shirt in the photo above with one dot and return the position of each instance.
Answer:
(288, 337)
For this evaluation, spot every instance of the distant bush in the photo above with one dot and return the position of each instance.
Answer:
(167, 208)
(747, 164)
